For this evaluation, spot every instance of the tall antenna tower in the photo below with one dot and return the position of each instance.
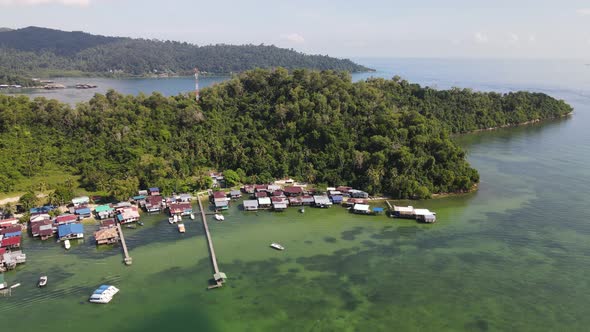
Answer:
(196, 84)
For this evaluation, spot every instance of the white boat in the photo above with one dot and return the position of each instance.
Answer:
(192, 216)
(181, 228)
(103, 294)
(67, 244)
(171, 220)
(177, 218)
(219, 217)
(302, 210)
(277, 246)
(42, 281)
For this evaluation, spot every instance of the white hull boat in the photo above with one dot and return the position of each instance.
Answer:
(103, 294)
(67, 244)
(192, 216)
(219, 217)
(277, 246)
(42, 281)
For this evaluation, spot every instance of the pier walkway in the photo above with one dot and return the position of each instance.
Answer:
(219, 277)
(127, 258)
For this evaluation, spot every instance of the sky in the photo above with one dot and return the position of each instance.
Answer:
(368, 28)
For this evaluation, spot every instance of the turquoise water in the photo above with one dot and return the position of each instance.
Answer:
(513, 256)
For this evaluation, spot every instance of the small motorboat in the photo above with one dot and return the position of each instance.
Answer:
(181, 228)
(140, 223)
(192, 216)
(277, 246)
(131, 226)
(42, 281)
(67, 244)
(302, 210)
(219, 217)
(177, 218)
(103, 294)
(171, 220)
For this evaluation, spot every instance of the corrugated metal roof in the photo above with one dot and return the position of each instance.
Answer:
(361, 207)
(68, 229)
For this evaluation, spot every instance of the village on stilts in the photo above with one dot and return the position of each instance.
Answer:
(66, 224)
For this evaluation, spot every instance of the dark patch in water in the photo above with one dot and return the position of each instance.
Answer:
(478, 325)
(330, 239)
(351, 234)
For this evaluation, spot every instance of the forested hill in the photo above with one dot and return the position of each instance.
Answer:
(39, 51)
(384, 136)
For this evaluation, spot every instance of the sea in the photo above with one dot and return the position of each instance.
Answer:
(513, 256)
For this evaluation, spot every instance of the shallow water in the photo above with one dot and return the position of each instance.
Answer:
(513, 256)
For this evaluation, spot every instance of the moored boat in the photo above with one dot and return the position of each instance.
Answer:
(42, 281)
(302, 210)
(171, 220)
(67, 244)
(219, 217)
(103, 294)
(181, 228)
(277, 246)
(192, 216)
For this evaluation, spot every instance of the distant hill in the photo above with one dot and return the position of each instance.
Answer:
(5, 29)
(38, 51)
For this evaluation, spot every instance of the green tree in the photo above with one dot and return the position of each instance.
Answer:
(232, 178)
(28, 200)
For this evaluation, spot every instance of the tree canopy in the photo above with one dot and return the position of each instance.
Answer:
(383, 136)
(40, 51)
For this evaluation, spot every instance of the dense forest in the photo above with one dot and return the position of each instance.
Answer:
(36, 51)
(15, 79)
(383, 136)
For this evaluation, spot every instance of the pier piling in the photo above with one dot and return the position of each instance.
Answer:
(218, 276)
(127, 258)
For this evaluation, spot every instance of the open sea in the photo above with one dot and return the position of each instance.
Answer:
(514, 256)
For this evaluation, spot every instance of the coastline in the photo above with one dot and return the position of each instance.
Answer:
(514, 124)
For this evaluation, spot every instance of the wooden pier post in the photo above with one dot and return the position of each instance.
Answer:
(217, 276)
(127, 259)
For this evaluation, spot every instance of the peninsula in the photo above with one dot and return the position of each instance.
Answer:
(382, 136)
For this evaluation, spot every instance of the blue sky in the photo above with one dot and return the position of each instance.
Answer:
(367, 28)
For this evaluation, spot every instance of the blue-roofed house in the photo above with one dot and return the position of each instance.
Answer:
(41, 210)
(82, 200)
(70, 231)
(378, 210)
(83, 212)
(155, 191)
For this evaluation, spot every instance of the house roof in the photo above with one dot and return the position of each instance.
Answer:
(378, 209)
(103, 208)
(293, 190)
(422, 212)
(279, 199)
(279, 205)
(264, 200)
(250, 203)
(11, 241)
(261, 194)
(80, 200)
(321, 200)
(235, 192)
(105, 233)
(8, 222)
(68, 229)
(154, 200)
(220, 203)
(336, 198)
(83, 211)
(65, 218)
(361, 207)
(219, 194)
(154, 189)
(11, 230)
(178, 206)
(277, 193)
(46, 232)
(128, 213)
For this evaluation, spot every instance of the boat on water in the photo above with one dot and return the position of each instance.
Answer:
(181, 228)
(192, 216)
(302, 210)
(277, 246)
(131, 226)
(171, 220)
(67, 244)
(140, 223)
(42, 281)
(103, 294)
(219, 217)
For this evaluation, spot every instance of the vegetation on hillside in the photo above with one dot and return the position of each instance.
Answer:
(15, 79)
(34, 51)
(383, 136)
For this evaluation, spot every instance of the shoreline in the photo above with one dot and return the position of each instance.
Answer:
(514, 124)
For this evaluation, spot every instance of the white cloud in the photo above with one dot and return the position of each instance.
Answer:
(294, 38)
(583, 11)
(480, 37)
(81, 3)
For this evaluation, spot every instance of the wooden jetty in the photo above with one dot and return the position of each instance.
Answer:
(127, 259)
(218, 277)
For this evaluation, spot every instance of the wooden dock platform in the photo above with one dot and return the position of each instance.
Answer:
(218, 277)
(127, 259)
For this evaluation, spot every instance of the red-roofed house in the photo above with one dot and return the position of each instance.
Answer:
(66, 219)
(293, 191)
(10, 243)
(8, 222)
